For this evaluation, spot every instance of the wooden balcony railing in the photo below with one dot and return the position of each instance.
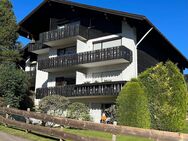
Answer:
(119, 52)
(95, 89)
(70, 30)
(36, 46)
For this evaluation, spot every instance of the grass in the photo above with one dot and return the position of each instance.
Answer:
(103, 135)
(86, 133)
(23, 134)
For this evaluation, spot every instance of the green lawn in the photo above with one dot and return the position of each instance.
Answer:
(104, 135)
(23, 134)
(87, 133)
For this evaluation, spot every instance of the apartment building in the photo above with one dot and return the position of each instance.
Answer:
(88, 53)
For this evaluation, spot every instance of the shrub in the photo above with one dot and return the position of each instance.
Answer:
(54, 104)
(166, 89)
(78, 111)
(132, 108)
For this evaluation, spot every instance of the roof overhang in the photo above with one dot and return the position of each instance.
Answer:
(37, 19)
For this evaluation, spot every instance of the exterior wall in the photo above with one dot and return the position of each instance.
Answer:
(41, 77)
(129, 40)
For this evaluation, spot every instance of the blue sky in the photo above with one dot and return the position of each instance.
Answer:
(169, 16)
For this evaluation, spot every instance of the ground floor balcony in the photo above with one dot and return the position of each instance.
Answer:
(108, 56)
(83, 90)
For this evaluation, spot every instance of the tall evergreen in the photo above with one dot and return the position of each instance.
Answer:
(8, 26)
(8, 34)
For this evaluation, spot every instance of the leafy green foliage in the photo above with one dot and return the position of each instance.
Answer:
(13, 85)
(132, 105)
(167, 96)
(78, 111)
(8, 26)
(54, 103)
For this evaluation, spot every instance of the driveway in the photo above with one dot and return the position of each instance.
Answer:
(7, 137)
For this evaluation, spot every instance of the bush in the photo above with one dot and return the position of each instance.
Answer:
(166, 89)
(78, 111)
(54, 104)
(132, 108)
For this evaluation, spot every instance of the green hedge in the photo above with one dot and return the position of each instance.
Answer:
(132, 106)
(167, 96)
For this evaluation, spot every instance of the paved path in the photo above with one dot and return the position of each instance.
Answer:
(7, 137)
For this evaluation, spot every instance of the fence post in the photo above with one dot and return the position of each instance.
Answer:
(61, 139)
(27, 120)
(6, 115)
(114, 136)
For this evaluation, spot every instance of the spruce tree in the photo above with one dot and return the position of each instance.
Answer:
(8, 26)
(8, 34)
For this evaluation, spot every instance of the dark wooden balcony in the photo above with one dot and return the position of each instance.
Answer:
(37, 47)
(86, 59)
(94, 89)
(70, 31)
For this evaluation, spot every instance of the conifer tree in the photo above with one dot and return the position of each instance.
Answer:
(8, 26)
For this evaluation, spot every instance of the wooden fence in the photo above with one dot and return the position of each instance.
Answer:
(114, 129)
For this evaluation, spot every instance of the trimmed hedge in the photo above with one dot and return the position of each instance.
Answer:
(167, 96)
(132, 106)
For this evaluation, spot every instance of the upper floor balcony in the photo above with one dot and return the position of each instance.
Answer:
(116, 55)
(64, 35)
(38, 48)
(83, 90)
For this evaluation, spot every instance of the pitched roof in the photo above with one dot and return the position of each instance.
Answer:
(107, 11)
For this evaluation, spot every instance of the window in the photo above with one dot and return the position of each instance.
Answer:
(106, 44)
(66, 51)
(62, 81)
